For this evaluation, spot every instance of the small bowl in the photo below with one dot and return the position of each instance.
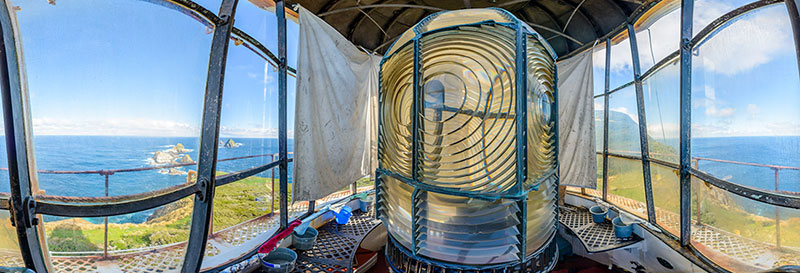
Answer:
(621, 230)
(306, 240)
(598, 214)
(279, 260)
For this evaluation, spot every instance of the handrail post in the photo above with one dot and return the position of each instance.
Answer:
(696, 162)
(687, 11)
(777, 212)
(105, 220)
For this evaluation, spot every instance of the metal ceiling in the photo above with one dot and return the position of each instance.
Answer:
(567, 24)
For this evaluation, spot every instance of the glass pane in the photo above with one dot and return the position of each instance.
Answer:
(666, 197)
(662, 105)
(10, 255)
(249, 119)
(113, 85)
(623, 122)
(626, 185)
(658, 39)
(706, 11)
(155, 242)
(741, 234)
(745, 101)
(261, 23)
(621, 62)
(598, 137)
(599, 68)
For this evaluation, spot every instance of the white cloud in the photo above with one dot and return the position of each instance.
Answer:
(225, 131)
(750, 41)
(624, 110)
(712, 105)
(113, 127)
(753, 109)
(667, 130)
(747, 43)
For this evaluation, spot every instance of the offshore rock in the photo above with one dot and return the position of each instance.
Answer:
(186, 159)
(232, 144)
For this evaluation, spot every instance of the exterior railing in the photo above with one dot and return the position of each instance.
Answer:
(775, 168)
(107, 173)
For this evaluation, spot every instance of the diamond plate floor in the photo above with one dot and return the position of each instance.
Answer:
(596, 237)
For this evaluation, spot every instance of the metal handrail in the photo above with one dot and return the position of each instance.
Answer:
(108, 172)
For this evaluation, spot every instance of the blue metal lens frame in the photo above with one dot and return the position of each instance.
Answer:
(519, 192)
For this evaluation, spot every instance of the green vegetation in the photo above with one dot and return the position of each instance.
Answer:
(233, 203)
(717, 208)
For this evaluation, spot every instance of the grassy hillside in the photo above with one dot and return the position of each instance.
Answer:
(233, 203)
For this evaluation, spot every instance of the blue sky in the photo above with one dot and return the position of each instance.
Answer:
(745, 79)
(124, 67)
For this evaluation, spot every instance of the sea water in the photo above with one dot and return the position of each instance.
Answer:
(76, 153)
(82, 153)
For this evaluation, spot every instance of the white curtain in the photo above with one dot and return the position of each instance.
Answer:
(576, 122)
(335, 127)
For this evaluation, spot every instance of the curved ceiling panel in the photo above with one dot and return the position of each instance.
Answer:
(566, 24)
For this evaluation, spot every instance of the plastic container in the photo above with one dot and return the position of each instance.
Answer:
(306, 240)
(280, 260)
(598, 214)
(344, 215)
(621, 229)
(364, 205)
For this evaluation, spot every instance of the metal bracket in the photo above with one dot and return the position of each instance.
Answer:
(29, 210)
(202, 188)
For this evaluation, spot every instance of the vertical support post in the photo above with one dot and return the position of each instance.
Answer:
(272, 197)
(280, 10)
(17, 135)
(605, 119)
(637, 81)
(105, 222)
(209, 140)
(794, 19)
(687, 9)
(353, 188)
(520, 69)
(698, 199)
(777, 212)
(415, 133)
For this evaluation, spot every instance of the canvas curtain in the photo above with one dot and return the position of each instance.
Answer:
(576, 135)
(335, 127)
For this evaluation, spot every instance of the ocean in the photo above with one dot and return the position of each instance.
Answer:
(80, 153)
(76, 153)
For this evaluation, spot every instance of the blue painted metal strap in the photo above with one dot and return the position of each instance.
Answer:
(637, 79)
(521, 110)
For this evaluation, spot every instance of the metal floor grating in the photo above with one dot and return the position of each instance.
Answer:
(595, 237)
(336, 245)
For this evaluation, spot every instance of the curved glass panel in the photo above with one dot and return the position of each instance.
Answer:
(621, 69)
(467, 130)
(623, 122)
(598, 144)
(10, 255)
(156, 242)
(746, 119)
(243, 210)
(706, 11)
(626, 185)
(740, 234)
(662, 104)
(599, 69)
(666, 197)
(658, 39)
(113, 85)
(260, 22)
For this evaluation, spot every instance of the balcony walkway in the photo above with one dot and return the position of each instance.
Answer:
(730, 246)
(225, 245)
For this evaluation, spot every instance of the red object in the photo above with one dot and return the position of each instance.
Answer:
(273, 242)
